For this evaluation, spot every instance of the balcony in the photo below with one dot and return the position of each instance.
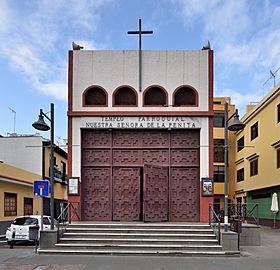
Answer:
(59, 176)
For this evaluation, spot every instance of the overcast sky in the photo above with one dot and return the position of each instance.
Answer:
(35, 36)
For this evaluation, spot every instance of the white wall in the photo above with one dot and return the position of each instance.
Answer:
(22, 152)
(111, 69)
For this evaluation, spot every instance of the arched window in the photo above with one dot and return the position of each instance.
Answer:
(185, 96)
(125, 96)
(95, 96)
(155, 95)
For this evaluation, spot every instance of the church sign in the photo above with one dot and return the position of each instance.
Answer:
(141, 122)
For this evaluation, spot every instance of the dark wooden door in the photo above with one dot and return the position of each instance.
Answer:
(126, 194)
(156, 193)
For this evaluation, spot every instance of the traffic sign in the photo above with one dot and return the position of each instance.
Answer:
(41, 188)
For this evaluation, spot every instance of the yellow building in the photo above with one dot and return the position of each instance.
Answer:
(23, 160)
(16, 194)
(219, 141)
(257, 156)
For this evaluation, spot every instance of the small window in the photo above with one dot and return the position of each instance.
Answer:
(278, 113)
(95, 96)
(125, 96)
(219, 120)
(254, 167)
(25, 221)
(28, 206)
(46, 221)
(254, 131)
(185, 96)
(217, 102)
(240, 175)
(219, 173)
(10, 204)
(155, 96)
(278, 158)
(240, 144)
(219, 150)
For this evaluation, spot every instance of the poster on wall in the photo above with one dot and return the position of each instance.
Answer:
(207, 187)
(73, 186)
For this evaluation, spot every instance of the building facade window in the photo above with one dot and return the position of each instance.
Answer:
(240, 144)
(10, 204)
(28, 206)
(185, 96)
(240, 175)
(219, 173)
(219, 120)
(125, 96)
(254, 167)
(278, 113)
(219, 150)
(155, 96)
(278, 158)
(95, 96)
(254, 131)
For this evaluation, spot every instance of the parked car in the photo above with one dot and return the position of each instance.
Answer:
(19, 229)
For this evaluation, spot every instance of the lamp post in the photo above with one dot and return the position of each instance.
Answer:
(41, 125)
(235, 126)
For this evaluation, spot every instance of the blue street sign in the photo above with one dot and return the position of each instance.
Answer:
(41, 188)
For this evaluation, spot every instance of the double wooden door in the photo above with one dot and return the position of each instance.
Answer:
(134, 175)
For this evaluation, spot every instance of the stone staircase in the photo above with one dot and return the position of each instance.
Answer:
(166, 239)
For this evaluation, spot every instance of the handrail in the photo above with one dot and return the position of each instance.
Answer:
(67, 210)
(68, 214)
(247, 212)
(214, 218)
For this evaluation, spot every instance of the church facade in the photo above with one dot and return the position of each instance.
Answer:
(140, 146)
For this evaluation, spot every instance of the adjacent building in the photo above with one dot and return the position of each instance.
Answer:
(25, 159)
(257, 156)
(219, 142)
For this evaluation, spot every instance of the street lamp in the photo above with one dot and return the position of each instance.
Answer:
(235, 126)
(41, 125)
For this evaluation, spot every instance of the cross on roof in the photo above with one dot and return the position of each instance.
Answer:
(140, 33)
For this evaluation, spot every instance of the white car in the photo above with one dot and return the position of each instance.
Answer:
(19, 229)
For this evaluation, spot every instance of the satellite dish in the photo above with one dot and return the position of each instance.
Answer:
(76, 47)
(207, 46)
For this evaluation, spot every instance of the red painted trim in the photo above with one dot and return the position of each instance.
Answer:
(187, 86)
(70, 142)
(211, 146)
(140, 113)
(89, 88)
(211, 79)
(70, 81)
(120, 87)
(147, 89)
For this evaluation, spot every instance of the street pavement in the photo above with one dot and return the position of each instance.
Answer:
(264, 257)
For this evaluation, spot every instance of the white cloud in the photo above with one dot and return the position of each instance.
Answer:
(244, 34)
(35, 37)
(241, 99)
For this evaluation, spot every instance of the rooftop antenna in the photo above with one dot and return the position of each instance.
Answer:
(272, 75)
(14, 112)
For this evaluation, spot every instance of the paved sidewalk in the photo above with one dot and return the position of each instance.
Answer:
(264, 257)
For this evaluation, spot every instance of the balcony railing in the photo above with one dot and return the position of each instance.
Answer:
(59, 176)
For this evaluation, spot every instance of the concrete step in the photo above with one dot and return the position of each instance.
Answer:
(140, 230)
(164, 241)
(131, 246)
(138, 235)
(139, 252)
(139, 225)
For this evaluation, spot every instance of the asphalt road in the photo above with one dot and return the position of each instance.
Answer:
(264, 257)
